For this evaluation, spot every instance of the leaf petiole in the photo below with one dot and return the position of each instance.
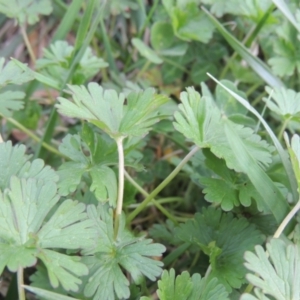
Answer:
(133, 214)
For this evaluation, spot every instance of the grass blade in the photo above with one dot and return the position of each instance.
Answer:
(47, 295)
(259, 67)
(283, 7)
(282, 153)
(272, 197)
(67, 22)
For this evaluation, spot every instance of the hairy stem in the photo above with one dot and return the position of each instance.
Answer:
(20, 278)
(118, 212)
(149, 198)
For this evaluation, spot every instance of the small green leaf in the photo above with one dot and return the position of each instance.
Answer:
(25, 11)
(162, 36)
(14, 161)
(146, 51)
(189, 23)
(276, 271)
(14, 72)
(285, 102)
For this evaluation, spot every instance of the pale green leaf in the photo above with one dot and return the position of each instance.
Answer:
(201, 121)
(25, 11)
(146, 51)
(63, 269)
(104, 184)
(162, 36)
(14, 72)
(284, 102)
(107, 280)
(276, 271)
(14, 161)
(107, 111)
(24, 236)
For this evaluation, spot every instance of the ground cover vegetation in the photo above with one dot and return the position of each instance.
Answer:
(149, 149)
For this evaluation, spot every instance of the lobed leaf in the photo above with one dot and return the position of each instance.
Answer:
(107, 259)
(224, 239)
(24, 237)
(25, 11)
(276, 272)
(184, 287)
(107, 111)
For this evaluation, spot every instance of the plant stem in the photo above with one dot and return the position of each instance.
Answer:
(33, 136)
(282, 129)
(27, 43)
(143, 70)
(286, 220)
(155, 202)
(118, 212)
(21, 290)
(133, 214)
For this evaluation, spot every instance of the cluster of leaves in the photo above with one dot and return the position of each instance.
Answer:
(217, 159)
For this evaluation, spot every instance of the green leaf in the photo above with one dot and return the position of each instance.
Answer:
(225, 239)
(283, 155)
(107, 111)
(273, 198)
(162, 36)
(24, 237)
(146, 51)
(285, 47)
(185, 287)
(226, 187)
(25, 11)
(285, 102)
(47, 295)
(14, 73)
(276, 271)
(14, 161)
(57, 61)
(93, 160)
(111, 255)
(201, 121)
(188, 20)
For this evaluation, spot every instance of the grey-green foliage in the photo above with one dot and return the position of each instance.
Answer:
(275, 272)
(57, 61)
(12, 74)
(112, 254)
(28, 231)
(25, 11)
(108, 111)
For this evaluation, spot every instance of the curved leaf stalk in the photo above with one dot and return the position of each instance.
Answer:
(34, 137)
(155, 202)
(27, 43)
(20, 277)
(133, 214)
(286, 220)
(118, 212)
